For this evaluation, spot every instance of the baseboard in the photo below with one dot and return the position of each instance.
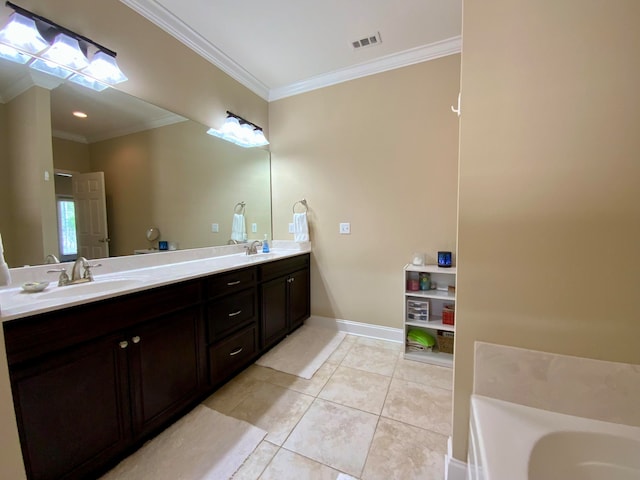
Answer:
(358, 328)
(454, 469)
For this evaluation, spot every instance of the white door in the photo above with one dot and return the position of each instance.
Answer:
(91, 215)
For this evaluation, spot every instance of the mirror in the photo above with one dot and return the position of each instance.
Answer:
(160, 171)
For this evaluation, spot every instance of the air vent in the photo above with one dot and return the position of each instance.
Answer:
(369, 41)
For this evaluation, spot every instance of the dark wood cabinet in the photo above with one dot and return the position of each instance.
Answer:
(298, 290)
(80, 406)
(91, 383)
(232, 323)
(274, 310)
(284, 294)
(233, 353)
(72, 409)
(165, 372)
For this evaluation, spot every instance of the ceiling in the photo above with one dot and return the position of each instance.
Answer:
(281, 48)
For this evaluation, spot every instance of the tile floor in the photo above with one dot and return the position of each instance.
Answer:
(366, 414)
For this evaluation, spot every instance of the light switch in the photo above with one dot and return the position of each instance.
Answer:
(291, 228)
(254, 227)
(215, 228)
(345, 228)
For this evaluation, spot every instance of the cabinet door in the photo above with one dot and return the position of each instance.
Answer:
(165, 368)
(273, 296)
(299, 307)
(73, 410)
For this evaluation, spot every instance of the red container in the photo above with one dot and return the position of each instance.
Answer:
(448, 315)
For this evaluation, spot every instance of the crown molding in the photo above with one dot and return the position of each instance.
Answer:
(74, 137)
(163, 18)
(163, 121)
(157, 14)
(412, 56)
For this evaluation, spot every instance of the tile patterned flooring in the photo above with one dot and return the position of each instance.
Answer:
(366, 414)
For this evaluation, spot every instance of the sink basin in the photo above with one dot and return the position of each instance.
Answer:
(90, 288)
(259, 257)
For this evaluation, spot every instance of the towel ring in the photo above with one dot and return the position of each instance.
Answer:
(241, 206)
(302, 202)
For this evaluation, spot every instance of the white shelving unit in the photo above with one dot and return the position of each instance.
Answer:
(437, 298)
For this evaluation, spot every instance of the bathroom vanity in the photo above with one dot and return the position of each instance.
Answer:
(92, 381)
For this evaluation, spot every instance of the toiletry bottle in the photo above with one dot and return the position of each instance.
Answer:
(265, 244)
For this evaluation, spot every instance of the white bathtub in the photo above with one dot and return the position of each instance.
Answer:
(514, 442)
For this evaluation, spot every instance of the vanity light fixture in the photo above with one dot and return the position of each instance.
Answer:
(236, 129)
(79, 114)
(56, 50)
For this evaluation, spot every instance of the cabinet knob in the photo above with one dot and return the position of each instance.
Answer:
(124, 344)
(234, 314)
(136, 339)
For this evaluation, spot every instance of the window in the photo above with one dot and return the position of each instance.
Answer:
(67, 228)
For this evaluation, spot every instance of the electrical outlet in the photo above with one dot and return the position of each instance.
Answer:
(254, 228)
(291, 228)
(345, 228)
(215, 228)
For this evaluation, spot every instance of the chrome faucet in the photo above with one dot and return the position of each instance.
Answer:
(252, 248)
(51, 258)
(82, 265)
(80, 273)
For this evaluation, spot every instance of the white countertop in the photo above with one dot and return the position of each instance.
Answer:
(124, 275)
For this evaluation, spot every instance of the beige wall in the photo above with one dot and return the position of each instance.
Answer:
(71, 156)
(380, 152)
(180, 180)
(33, 232)
(549, 207)
(4, 178)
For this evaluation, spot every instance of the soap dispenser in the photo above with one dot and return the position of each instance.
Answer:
(265, 244)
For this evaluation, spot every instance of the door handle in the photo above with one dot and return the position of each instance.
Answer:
(231, 284)
(104, 240)
(235, 313)
(235, 352)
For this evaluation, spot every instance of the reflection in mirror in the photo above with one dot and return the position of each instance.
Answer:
(159, 169)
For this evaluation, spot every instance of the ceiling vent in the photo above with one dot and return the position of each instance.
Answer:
(369, 41)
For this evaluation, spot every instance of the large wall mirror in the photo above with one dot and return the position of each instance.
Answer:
(160, 170)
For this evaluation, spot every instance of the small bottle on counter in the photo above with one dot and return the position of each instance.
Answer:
(265, 244)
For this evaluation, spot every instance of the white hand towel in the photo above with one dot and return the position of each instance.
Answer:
(300, 227)
(238, 229)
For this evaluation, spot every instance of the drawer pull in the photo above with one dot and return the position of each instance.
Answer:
(231, 284)
(136, 339)
(235, 352)
(124, 344)
(234, 314)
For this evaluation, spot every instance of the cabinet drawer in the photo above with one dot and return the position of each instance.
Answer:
(228, 356)
(283, 267)
(227, 314)
(231, 282)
